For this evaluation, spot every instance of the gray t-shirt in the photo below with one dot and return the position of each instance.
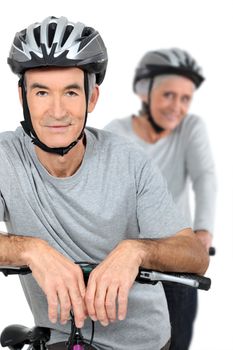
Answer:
(183, 156)
(114, 195)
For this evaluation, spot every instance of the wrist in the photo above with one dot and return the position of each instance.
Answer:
(138, 248)
(32, 247)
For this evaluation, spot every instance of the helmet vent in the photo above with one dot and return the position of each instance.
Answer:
(36, 32)
(51, 32)
(19, 40)
(67, 33)
(87, 31)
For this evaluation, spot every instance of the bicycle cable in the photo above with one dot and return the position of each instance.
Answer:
(76, 336)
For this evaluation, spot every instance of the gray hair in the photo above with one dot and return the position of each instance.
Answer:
(142, 86)
(91, 84)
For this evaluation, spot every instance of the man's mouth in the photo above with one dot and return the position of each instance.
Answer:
(59, 128)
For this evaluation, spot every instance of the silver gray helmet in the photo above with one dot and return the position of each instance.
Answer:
(61, 43)
(168, 61)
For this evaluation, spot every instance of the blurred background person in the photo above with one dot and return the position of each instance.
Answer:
(177, 142)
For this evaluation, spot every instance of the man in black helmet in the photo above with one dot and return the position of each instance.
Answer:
(165, 81)
(71, 193)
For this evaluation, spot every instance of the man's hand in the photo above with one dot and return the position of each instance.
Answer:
(110, 282)
(62, 282)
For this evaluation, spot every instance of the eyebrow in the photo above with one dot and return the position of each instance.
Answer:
(68, 87)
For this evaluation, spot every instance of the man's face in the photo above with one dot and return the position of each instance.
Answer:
(170, 101)
(57, 104)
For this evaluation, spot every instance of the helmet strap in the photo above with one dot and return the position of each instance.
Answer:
(29, 130)
(147, 109)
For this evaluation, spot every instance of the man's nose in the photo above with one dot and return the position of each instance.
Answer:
(57, 109)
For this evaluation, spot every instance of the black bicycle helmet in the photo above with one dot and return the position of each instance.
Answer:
(168, 61)
(57, 42)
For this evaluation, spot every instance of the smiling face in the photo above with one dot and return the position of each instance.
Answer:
(170, 101)
(57, 104)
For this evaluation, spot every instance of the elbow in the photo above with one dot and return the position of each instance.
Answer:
(202, 258)
(204, 263)
(200, 255)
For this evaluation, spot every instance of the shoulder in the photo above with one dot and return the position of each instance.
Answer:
(6, 136)
(119, 124)
(192, 126)
(11, 142)
(129, 159)
(12, 134)
(119, 155)
(114, 148)
(107, 139)
(192, 121)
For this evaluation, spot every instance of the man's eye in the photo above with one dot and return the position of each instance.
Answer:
(71, 93)
(41, 93)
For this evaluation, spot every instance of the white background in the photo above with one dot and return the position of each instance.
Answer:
(129, 29)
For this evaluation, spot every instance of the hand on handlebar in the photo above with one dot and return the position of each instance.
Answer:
(148, 276)
(109, 284)
(62, 282)
(106, 296)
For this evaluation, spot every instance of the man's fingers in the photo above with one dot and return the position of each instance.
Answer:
(65, 305)
(66, 294)
(95, 301)
(111, 302)
(123, 294)
(99, 304)
(52, 299)
(78, 307)
(77, 292)
(89, 300)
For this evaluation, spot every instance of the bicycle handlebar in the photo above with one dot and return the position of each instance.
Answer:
(146, 276)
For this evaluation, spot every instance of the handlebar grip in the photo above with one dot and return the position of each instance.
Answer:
(15, 270)
(212, 251)
(189, 279)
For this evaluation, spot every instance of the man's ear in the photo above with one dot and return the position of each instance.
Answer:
(94, 98)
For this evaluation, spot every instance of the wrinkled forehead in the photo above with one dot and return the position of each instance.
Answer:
(49, 74)
(45, 70)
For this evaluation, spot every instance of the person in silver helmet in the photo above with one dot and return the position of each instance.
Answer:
(176, 141)
(74, 193)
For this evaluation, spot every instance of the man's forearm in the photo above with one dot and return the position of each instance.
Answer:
(59, 278)
(14, 249)
(182, 252)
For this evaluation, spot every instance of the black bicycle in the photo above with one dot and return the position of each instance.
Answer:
(15, 336)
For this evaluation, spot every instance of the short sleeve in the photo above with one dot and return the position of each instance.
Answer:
(4, 185)
(157, 214)
(2, 208)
